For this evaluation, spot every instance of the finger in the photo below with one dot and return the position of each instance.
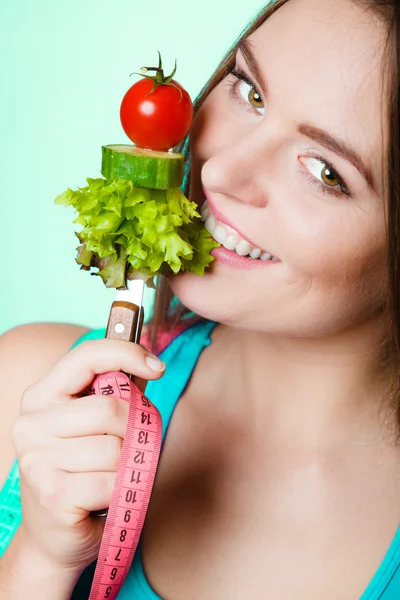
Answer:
(74, 492)
(87, 454)
(93, 415)
(141, 383)
(88, 491)
(75, 371)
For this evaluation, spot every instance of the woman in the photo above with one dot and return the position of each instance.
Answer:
(280, 473)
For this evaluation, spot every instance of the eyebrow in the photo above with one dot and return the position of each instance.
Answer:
(340, 148)
(246, 48)
(325, 139)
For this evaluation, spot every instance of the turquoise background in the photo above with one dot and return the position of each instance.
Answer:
(64, 71)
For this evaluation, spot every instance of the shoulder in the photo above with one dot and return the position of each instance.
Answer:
(39, 341)
(27, 352)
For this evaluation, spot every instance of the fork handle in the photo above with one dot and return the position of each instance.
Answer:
(125, 322)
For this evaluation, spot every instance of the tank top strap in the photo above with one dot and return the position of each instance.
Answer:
(10, 508)
(166, 336)
(180, 357)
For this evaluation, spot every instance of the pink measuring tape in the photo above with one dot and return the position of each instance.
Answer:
(136, 468)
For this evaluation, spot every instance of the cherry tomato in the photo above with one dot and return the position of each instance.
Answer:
(158, 120)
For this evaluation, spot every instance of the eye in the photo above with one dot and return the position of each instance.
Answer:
(250, 95)
(243, 88)
(324, 172)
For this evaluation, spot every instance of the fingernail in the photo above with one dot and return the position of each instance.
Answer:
(155, 363)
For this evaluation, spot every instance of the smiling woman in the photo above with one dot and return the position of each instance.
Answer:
(294, 135)
(280, 471)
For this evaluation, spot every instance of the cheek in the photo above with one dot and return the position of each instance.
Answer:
(359, 274)
(341, 258)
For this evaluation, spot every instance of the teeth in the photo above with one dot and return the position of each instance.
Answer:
(231, 242)
(211, 224)
(204, 212)
(230, 229)
(229, 238)
(219, 234)
(256, 253)
(243, 248)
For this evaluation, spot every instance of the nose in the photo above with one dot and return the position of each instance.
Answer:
(242, 167)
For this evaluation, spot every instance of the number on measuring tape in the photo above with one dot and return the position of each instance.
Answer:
(130, 496)
(143, 437)
(135, 478)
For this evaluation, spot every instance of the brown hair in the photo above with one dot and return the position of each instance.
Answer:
(168, 311)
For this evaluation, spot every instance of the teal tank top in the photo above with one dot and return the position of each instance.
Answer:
(180, 356)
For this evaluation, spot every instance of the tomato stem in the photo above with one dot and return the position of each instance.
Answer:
(159, 78)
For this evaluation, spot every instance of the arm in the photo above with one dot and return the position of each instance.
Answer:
(26, 354)
(58, 538)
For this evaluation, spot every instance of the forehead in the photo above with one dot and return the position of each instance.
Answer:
(322, 62)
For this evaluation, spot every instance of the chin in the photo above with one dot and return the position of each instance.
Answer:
(194, 293)
(208, 297)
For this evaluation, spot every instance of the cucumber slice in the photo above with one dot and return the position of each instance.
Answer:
(145, 168)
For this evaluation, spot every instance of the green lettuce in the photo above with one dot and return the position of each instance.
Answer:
(137, 233)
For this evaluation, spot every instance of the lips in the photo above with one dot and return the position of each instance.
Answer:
(218, 215)
(229, 236)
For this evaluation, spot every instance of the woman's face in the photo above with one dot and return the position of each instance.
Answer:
(289, 154)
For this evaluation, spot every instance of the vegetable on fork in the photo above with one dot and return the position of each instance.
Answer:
(136, 222)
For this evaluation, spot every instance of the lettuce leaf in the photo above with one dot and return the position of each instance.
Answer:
(135, 232)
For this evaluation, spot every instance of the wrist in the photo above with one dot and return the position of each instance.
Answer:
(26, 571)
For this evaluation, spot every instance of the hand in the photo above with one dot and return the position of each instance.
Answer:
(67, 465)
